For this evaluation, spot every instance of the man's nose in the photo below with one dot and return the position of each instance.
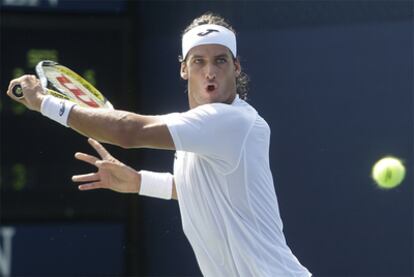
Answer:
(210, 72)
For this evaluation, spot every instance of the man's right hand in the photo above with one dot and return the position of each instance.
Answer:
(32, 92)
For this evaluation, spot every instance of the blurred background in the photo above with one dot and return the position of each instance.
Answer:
(334, 80)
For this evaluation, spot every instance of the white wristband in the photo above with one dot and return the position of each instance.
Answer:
(156, 184)
(56, 109)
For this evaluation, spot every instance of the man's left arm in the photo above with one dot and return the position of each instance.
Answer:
(113, 174)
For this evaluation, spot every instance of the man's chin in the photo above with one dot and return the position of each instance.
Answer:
(208, 98)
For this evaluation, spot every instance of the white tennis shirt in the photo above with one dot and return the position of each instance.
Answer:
(225, 192)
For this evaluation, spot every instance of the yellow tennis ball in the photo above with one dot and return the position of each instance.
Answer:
(388, 172)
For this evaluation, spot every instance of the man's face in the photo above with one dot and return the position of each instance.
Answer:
(211, 74)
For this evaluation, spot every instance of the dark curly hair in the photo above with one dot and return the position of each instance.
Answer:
(242, 81)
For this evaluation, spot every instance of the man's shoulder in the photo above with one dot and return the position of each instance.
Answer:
(223, 114)
(238, 106)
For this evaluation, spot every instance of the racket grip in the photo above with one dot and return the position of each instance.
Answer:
(17, 91)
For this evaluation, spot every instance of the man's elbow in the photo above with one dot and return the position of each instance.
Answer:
(126, 143)
(143, 132)
(128, 133)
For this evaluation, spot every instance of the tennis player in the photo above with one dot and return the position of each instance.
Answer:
(222, 178)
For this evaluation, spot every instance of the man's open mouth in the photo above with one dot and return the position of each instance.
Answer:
(211, 87)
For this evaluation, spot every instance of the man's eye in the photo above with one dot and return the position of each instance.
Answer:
(221, 60)
(197, 61)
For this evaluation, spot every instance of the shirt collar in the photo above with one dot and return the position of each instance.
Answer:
(235, 100)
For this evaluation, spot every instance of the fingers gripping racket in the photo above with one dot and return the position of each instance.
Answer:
(61, 82)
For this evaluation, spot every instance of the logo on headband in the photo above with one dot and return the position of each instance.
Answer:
(208, 31)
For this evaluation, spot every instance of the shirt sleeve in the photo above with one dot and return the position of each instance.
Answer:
(216, 132)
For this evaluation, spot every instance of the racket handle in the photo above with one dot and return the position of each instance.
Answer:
(17, 91)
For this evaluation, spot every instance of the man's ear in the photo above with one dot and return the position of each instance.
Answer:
(184, 71)
(237, 67)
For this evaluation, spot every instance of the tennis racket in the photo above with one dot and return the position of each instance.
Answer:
(61, 82)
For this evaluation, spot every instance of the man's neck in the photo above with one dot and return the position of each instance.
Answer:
(193, 104)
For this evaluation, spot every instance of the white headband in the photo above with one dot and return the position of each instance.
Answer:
(209, 34)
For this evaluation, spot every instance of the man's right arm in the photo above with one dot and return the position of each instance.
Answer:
(116, 127)
(125, 129)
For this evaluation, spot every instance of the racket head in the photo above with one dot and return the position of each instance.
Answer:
(60, 81)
